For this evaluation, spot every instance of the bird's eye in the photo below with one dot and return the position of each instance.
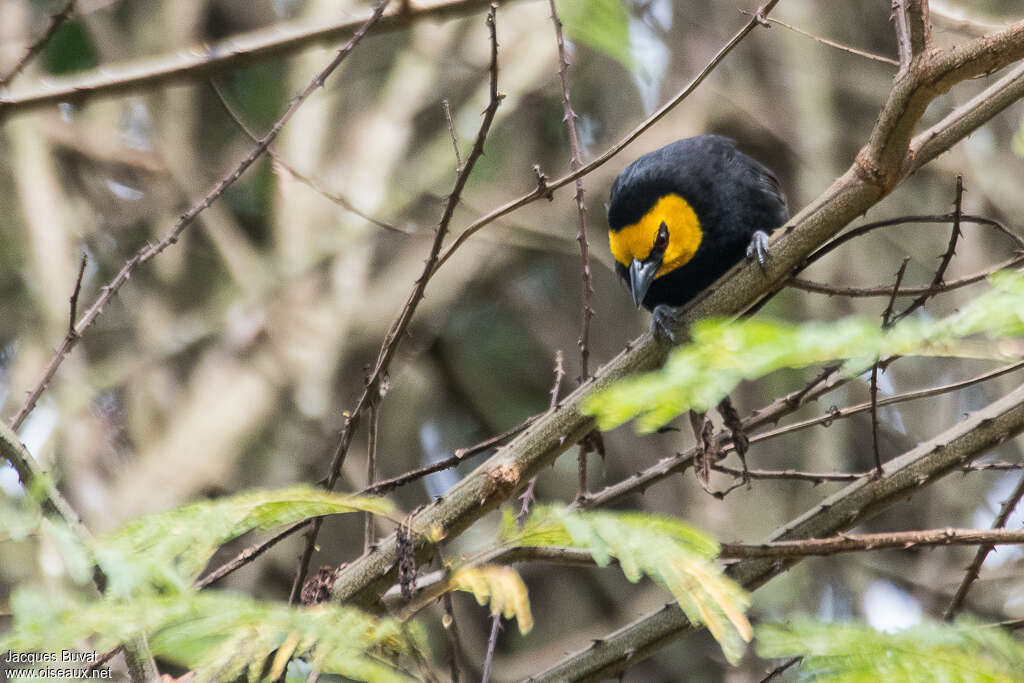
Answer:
(661, 241)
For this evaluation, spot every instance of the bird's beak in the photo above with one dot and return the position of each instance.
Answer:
(641, 275)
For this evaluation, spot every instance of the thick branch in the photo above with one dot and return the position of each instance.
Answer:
(854, 504)
(882, 159)
(913, 30)
(852, 194)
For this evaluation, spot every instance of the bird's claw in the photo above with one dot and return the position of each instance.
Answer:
(662, 319)
(759, 248)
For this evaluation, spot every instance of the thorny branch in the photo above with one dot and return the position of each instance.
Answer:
(398, 328)
(846, 543)
(586, 309)
(545, 186)
(55, 21)
(1009, 505)
(947, 256)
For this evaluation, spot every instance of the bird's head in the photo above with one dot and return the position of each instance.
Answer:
(665, 238)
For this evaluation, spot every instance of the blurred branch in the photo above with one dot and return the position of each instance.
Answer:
(831, 290)
(1008, 506)
(904, 220)
(148, 251)
(371, 390)
(206, 60)
(55, 21)
(948, 16)
(945, 260)
(847, 543)
(832, 43)
(282, 165)
(33, 477)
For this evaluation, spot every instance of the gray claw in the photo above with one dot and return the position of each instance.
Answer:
(758, 249)
(662, 318)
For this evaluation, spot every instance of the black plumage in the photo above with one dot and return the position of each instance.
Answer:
(733, 196)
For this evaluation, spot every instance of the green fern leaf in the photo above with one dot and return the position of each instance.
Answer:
(171, 548)
(219, 636)
(965, 652)
(674, 554)
(722, 353)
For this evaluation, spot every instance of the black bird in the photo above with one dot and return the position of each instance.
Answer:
(681, 216)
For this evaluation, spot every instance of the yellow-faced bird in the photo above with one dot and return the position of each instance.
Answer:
(682, 215)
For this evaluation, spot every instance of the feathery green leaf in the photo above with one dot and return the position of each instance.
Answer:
(674, 554)
(853, 653)
(722, 353)
(219, 636)
(171, 548)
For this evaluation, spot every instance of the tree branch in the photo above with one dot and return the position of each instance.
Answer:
(848, 543)
(203, 61)
(149, 251)
(856, 503)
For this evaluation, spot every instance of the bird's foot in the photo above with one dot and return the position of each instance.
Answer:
(663, 319)
(759, 248)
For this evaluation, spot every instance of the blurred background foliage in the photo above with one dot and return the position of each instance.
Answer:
(227, 362)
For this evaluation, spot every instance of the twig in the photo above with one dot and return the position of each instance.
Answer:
(556, 386)
(527, 497)
(148, 251)
(398, 328)
(886, 323)
(863, 292)
(832, 43)
(371, 471)
(492, 642)
(294, 173)
(821, 477)
(847, 543)
(226, 55)
(1009, 505)
(642, 480)
(877, 170)
(544, 189)
(452, 639)
(575, 163)
(56, 20)
(780, 669)
(451, 130)
(248, 555)
(902, 220)
(797, 475)
(379, 488)
(586, 310)
(947, 256)
(73, 312)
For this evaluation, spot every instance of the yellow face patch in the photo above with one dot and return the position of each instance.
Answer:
(635, 241)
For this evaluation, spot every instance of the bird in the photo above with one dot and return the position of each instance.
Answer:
(681, 216)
